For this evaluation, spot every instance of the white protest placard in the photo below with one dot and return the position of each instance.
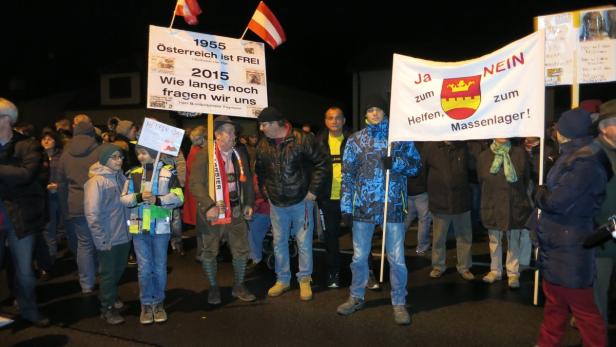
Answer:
(585, 39)
(202, 73)
(498, 95)
(161, 137)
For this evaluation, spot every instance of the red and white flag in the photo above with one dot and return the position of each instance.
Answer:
(189, 9)
(265, 24)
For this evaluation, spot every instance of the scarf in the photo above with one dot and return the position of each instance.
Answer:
(501, 157)
(221, 185)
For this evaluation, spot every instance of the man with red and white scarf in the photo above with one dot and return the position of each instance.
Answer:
(224, 214)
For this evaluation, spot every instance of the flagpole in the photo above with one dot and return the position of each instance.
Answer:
(245, 30)
(540, 180)
(173, 18)
(210, 155)
(385, 215)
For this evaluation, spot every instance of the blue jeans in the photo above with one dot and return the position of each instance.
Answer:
(151, 251)
(296, 220)
(25, 282)
(258, 226)
(86, 253)
(418, 208)
(394, 247)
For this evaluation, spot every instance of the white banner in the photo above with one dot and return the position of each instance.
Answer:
(498, 95)
(584, 38)
(201, 73)
(161, 137)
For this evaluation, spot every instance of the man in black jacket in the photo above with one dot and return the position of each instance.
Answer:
(449, 195)
(292, 171)
(332, 139)
(22, 208)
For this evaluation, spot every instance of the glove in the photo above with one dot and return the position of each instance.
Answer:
(540, 195)
(387, 161)
(346, 220)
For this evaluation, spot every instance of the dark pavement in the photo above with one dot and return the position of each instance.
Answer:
(446, 311)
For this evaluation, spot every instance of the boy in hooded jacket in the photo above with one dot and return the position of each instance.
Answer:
(106, 218)
(151, 194)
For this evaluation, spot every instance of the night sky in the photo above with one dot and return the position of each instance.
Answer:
(54, 46)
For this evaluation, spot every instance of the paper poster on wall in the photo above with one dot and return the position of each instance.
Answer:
(202, 73)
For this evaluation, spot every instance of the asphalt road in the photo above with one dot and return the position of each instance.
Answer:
(446, 311)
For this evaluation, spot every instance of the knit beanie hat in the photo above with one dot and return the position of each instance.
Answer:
(574, 123)
(150, 151)
(375, 100)
(106, 151)
(9, 109)
(123, 127)
(270, 114)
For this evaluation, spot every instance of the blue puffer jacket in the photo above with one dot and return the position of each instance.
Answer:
(363, 176)
(575, 191)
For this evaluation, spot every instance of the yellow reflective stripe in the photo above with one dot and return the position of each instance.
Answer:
(178, 192)
(137, 170)
(146, 219)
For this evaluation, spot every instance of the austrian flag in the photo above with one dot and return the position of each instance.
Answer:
(265, 24)
(189, 9)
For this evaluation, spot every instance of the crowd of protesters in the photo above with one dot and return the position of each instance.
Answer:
(115, 204)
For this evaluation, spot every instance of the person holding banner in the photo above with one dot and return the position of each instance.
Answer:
(151, 194)
(364, 166)
(107, 218)
(227, 212)
(503, 172)
(449, 198)
(573, 194)
(292, 171)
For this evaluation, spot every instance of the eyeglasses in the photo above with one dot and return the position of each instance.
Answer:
(117, 157)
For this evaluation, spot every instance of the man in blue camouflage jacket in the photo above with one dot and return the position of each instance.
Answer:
(363, 199)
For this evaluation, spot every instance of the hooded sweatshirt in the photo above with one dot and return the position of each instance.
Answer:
(80, 153)
(103, 209)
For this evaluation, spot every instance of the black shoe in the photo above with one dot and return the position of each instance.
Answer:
(213, 296)
(40, 322)
(111, 316)
(333, 280)
(373, 284)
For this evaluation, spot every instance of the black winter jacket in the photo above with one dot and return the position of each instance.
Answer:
(21, 191)
(287, 171)
(446, 167)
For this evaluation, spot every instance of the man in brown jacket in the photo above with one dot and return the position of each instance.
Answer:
(226, 214)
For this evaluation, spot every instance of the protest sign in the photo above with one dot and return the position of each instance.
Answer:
(202, 73)
(582, 41)
(161, 137)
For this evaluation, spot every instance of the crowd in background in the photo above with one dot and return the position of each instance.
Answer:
(114, 204)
